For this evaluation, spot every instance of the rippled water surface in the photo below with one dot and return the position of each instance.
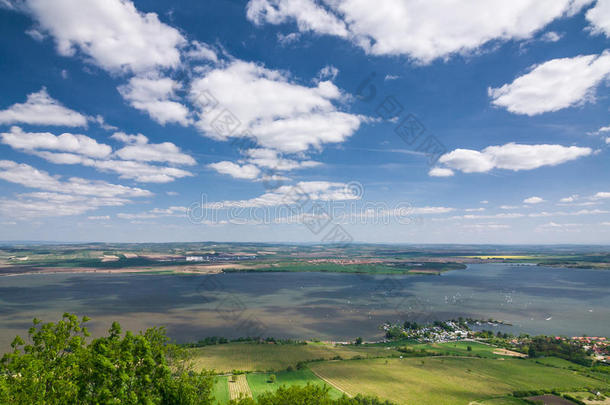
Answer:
(306, 305)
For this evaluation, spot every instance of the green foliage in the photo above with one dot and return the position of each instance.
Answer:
(58, 366)
(307, 395)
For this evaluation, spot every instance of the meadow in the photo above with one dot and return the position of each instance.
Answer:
(444, 374)
(445, 380)
(276, 357)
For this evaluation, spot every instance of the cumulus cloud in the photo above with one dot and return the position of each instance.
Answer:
(569, 199)
(533, 200)
(424, 31)
(601, 195)
(265, 104)
(511, 156)
(554, 85)
(75, 143)
(41, 109)
(235, 170)
(599, 18)
(28, 176)
(130, 162)
(308, 15)
(112, 34)
(157, 97)
(140, 150)
(441, 172)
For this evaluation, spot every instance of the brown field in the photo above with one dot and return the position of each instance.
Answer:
(240, 388)
(504, 352)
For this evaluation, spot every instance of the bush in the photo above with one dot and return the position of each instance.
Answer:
(59, 367)
(308, 395)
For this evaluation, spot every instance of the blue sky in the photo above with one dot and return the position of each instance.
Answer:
(279, 120)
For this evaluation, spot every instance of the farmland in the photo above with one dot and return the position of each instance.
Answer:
(445, 381)
(444, 373)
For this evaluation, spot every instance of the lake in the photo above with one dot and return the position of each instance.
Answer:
(329, 306)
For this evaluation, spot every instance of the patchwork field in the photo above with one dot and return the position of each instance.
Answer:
(239, 387)
(445, 380)
(273, 357)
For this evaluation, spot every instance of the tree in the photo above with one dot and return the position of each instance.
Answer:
(272, 378)
(358, 340)
(60, 367)
(531, 352)
(469, 348)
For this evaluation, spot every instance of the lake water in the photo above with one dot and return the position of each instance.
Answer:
(536, 300)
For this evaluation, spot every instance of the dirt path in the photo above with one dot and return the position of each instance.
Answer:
(240, 388)
(329, 382)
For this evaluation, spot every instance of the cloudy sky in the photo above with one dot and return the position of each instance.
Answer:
(305, 120)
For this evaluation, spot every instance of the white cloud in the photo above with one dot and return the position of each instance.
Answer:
(599, 18)
(328, 72)
(554, 85)
(507, 215)
(31, 177)
(430, 210)
(479, 209)
(35, 35)
(140, 150)
(511, 156)
(142, 172)
(508, 207)
(156, 96)
(564, 213)
(80, 149)
(440, 172)
(201, 51)
(569, 199)
(99, 217)
(271, 159)
(112, 34)
(75, 143)
(291, 194)
(288, 38)
(268, 106)
(551, 36)
(41, 109)
(174, 211)
(423, 30)
(309, 15)
(533, 200)
(235, 170)
(602, 195)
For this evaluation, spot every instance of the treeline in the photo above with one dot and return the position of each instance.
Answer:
(218, 340)
(542, 346)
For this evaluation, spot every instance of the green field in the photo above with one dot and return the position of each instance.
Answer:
(220, 391)
(458, 349)
(274, 357)
(259, 383)
(446, 380)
